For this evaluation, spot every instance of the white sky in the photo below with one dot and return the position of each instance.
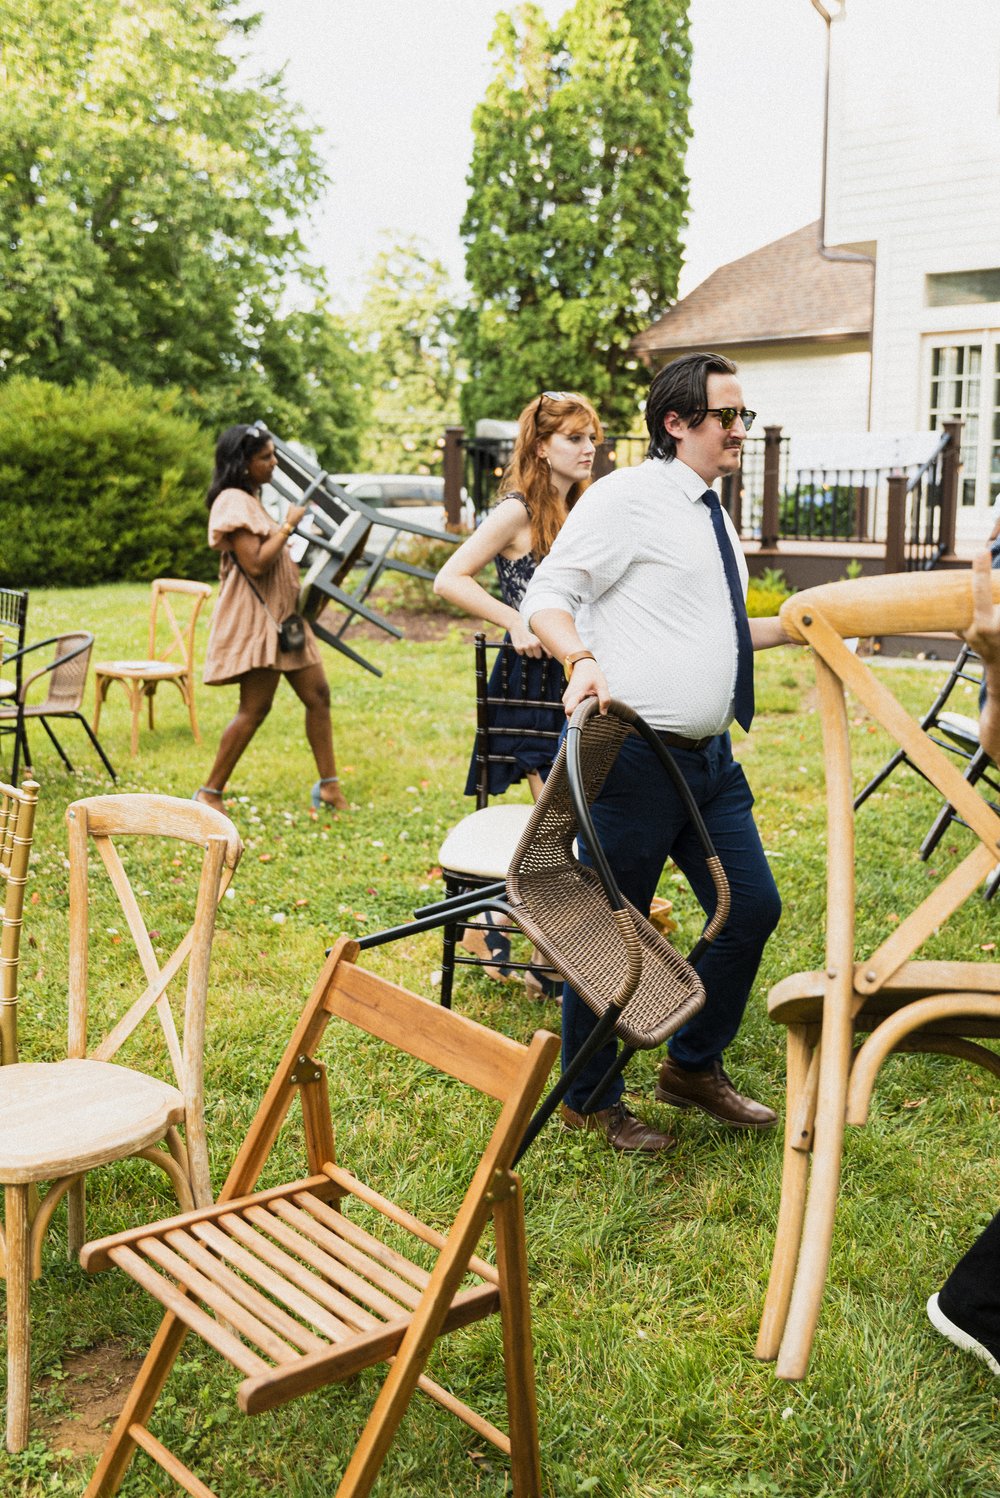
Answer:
(393, 83)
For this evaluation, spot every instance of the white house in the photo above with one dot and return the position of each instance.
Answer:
(912, 182)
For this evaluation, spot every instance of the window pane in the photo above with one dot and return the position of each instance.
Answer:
(959, 288)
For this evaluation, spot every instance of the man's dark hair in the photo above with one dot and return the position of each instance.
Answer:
(680, 386)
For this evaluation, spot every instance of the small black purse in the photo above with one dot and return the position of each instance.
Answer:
(292, 633)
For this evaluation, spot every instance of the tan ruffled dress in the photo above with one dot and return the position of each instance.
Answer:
(242, 637)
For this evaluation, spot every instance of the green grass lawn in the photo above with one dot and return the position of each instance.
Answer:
(647, 1277)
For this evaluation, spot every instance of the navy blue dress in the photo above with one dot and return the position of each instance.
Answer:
(537, 679)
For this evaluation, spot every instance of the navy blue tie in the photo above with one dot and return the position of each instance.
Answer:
(743, 695)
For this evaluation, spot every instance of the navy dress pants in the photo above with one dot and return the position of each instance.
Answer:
(641, 822)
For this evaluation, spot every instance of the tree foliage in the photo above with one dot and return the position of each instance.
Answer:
(151, 203)
(100, 482)
(406, 325)
(577, 200)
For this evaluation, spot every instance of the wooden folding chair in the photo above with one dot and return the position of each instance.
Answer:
(297, 1295)
(906, 1005)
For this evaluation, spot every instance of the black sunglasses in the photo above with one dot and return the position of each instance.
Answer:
(727, 416)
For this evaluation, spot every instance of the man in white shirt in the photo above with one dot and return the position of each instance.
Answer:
(642, 596)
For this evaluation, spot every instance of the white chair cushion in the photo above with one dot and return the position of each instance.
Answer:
(482, 844)
(58, 1117)
(963, 730)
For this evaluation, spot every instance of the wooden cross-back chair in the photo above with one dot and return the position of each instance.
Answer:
(17, 823)
(170, 658)
(903, 1004)
(60, 1119)
(296, 1294)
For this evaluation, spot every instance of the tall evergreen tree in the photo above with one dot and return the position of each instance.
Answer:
(576, 204)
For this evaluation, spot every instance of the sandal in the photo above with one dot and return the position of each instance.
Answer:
(338, 801)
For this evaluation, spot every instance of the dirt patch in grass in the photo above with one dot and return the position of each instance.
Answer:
(94, 1384)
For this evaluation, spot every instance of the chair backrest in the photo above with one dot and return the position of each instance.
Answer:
(909, 603)
(17, 822)
(65, 673)
(506, 709)
(100, 821)
(13, 624)
(576, 915)
(490, 1063)
(172, 623)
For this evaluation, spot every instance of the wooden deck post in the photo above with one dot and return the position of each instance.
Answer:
(895, 525)
(772, 481)
(453, 477)
(951, 462)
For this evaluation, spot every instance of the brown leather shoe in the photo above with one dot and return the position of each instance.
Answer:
(714, 1094)
(621, 1128)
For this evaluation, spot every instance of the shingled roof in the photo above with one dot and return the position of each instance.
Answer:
(783, 292)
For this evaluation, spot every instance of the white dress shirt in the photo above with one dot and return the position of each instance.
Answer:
(638, 567)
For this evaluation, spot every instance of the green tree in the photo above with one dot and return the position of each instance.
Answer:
(151, 204)
(577, 200)
(406, 325)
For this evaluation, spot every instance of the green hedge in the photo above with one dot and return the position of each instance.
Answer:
(100, 483)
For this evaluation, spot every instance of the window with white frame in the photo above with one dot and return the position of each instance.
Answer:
(957, 395)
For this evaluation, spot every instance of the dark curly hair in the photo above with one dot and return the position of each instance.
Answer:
(233, 451)
(680, 386)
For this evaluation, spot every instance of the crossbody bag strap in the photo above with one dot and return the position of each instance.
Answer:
(256, 590)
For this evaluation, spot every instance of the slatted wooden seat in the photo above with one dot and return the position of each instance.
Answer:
(901, 1003)
(296, 1294)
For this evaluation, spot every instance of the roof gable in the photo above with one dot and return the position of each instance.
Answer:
(784, 291)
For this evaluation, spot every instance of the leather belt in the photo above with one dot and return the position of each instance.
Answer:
(678, 741)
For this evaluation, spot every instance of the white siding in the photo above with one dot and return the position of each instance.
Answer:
(807, 387)
(914, 168)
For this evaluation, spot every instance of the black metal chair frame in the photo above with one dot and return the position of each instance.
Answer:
(488, 749)
(19, 728)
(461, 906)
(980, 766)
(306, 484)
(13, 625)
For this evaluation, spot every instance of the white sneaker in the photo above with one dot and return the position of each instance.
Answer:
(961, 1339)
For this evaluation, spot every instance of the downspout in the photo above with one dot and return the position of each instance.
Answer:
(824, 249)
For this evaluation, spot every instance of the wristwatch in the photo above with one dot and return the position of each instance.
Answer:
(571, 660)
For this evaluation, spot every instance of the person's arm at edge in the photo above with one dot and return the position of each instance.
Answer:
(765, 633)
(456, 580)
(983, 634)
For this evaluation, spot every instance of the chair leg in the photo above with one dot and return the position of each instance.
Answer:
(187, 692)
(978, 765)
(76, 1226)
(97, 745)
(150, 694)
(794, 1180)
(518, 1362)
(101, 684)
(135, 702)
(18, 1235)
(58, 747)
(448, 963)
(821, 1206)
(142, 1397)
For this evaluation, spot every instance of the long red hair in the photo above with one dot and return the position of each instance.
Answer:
(528, 473)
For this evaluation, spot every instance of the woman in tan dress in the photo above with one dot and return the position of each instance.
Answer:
(243, 640)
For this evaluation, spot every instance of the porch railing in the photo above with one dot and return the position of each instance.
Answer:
(911, 515)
